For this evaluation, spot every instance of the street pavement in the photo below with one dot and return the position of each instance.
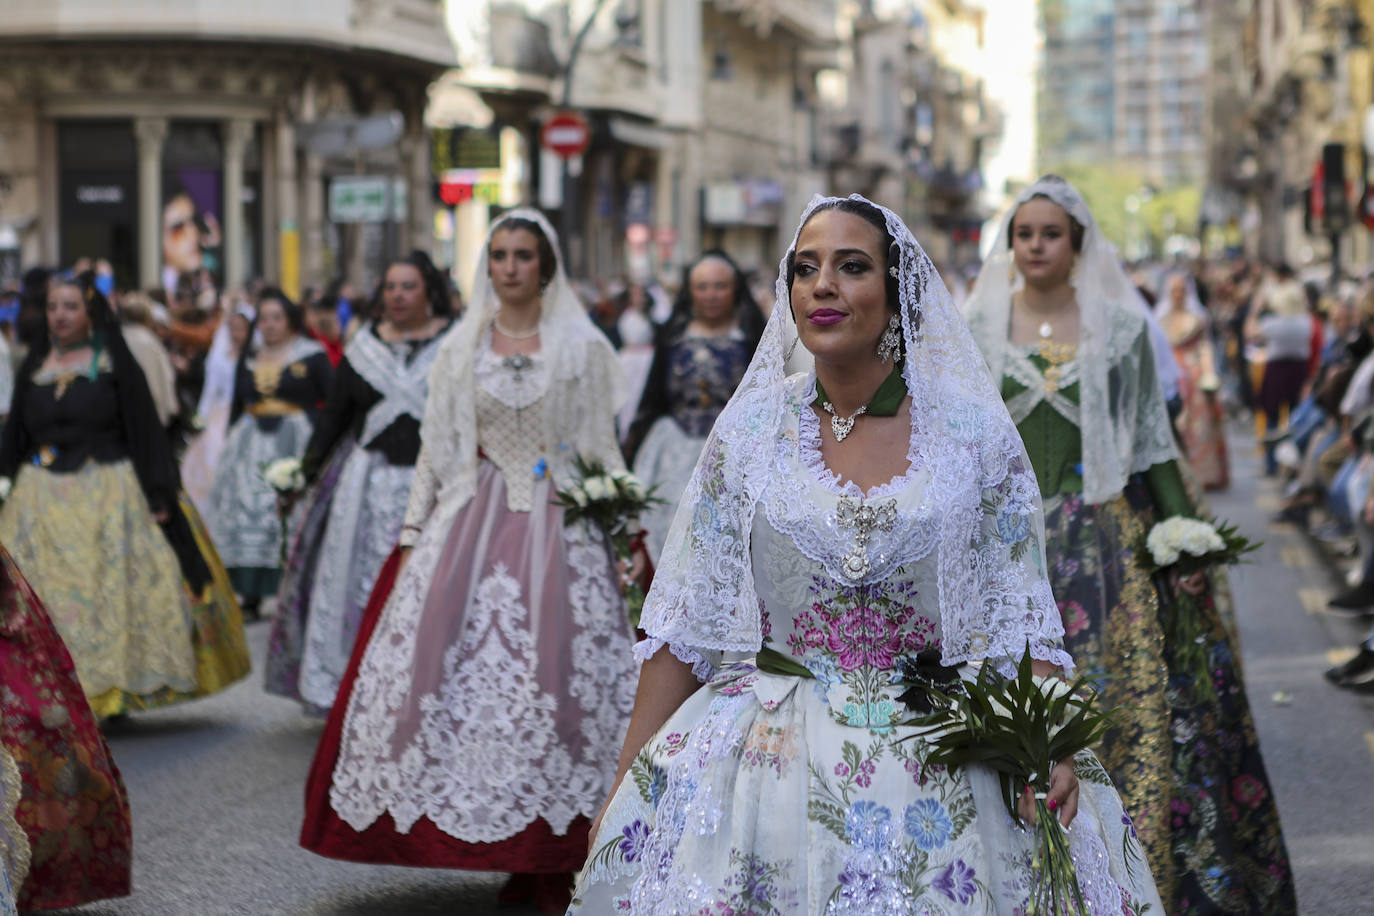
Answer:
(216, 785)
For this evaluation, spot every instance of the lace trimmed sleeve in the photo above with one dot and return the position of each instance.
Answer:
(424, 493)
(1018, 609)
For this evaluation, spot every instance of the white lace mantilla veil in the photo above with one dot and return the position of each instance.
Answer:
(448, 431)
(703, 599)
(1123, 418)
(1192, 302)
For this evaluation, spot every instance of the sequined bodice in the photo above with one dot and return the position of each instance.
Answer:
(510, 401)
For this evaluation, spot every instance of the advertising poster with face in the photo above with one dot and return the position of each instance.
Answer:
(191, 236)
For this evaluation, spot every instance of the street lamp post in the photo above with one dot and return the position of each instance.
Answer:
(572, 240)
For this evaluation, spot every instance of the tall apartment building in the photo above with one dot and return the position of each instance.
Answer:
(1161, 80)
(1076, 108)
(1126, 81)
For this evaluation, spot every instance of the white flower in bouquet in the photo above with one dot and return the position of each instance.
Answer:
(6, 486)
(1175, 536)
(285, 475)
(599, 488)
(579, 496)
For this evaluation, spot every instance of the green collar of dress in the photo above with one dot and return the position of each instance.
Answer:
(885, 401)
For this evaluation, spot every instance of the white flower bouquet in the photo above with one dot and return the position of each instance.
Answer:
(287, 478)
(284, 475)
(1178, 547)
(612, 501)
(1019, 727)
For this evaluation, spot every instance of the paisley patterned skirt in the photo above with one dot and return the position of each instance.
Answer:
(73, 810)
(755, 798)
(139, 635)
(1187, 762)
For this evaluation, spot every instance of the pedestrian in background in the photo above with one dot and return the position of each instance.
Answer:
(359, 466)
(96, 520)
(1283, 327)
(1201, 421)
(478, 723)
(701, 355)
(1065, 335)
(280, 383)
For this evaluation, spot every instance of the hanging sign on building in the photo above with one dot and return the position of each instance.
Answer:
(363, 199)
(566, 134)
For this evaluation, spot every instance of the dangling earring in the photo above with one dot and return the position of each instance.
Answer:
(891, 339)
(1011, 273)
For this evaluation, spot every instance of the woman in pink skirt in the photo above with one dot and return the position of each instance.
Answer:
(479, 723)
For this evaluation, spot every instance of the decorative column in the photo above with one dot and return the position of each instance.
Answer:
(150, 134)
(312, 218)
(288, 212)
(418, 231)
(238, 133)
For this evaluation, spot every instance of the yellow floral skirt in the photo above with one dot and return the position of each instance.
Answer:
(89, 546)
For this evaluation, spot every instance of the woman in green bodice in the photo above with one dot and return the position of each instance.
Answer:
(1066, 336)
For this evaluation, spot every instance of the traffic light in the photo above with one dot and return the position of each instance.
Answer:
(1335, 201)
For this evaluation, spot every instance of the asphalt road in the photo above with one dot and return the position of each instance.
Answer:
(216, 785)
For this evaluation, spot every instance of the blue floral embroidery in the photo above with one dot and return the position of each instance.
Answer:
(928, 824)
(865, 824)
(1013, 527)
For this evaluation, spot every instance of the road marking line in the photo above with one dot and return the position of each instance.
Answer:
(1336, 657)
(1268, 502)
(1295, 557)
(1313, 599)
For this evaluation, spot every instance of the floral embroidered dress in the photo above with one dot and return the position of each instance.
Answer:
(1187, 762)
(788, 783)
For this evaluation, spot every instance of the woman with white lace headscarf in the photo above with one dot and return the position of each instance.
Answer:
(1202, 423)
(477, 724)
(1065, 336)
(841, 522)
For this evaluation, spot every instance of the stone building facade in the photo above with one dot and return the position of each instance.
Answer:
(209, 138)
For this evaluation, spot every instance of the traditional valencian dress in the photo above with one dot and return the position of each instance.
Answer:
(479, 722)
(1186, 760)
(271, 419)
(789, 783)
(690, 382)
(73, 844)
(145, 608)
(361, 461)
(1201, 424)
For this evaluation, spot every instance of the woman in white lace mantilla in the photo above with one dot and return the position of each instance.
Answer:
(477, 725)
(838, 522)
(1063, 330)
(358, 467)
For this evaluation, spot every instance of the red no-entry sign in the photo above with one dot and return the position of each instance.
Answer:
(566, 134)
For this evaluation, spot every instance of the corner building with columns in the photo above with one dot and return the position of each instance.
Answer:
(174, 137)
